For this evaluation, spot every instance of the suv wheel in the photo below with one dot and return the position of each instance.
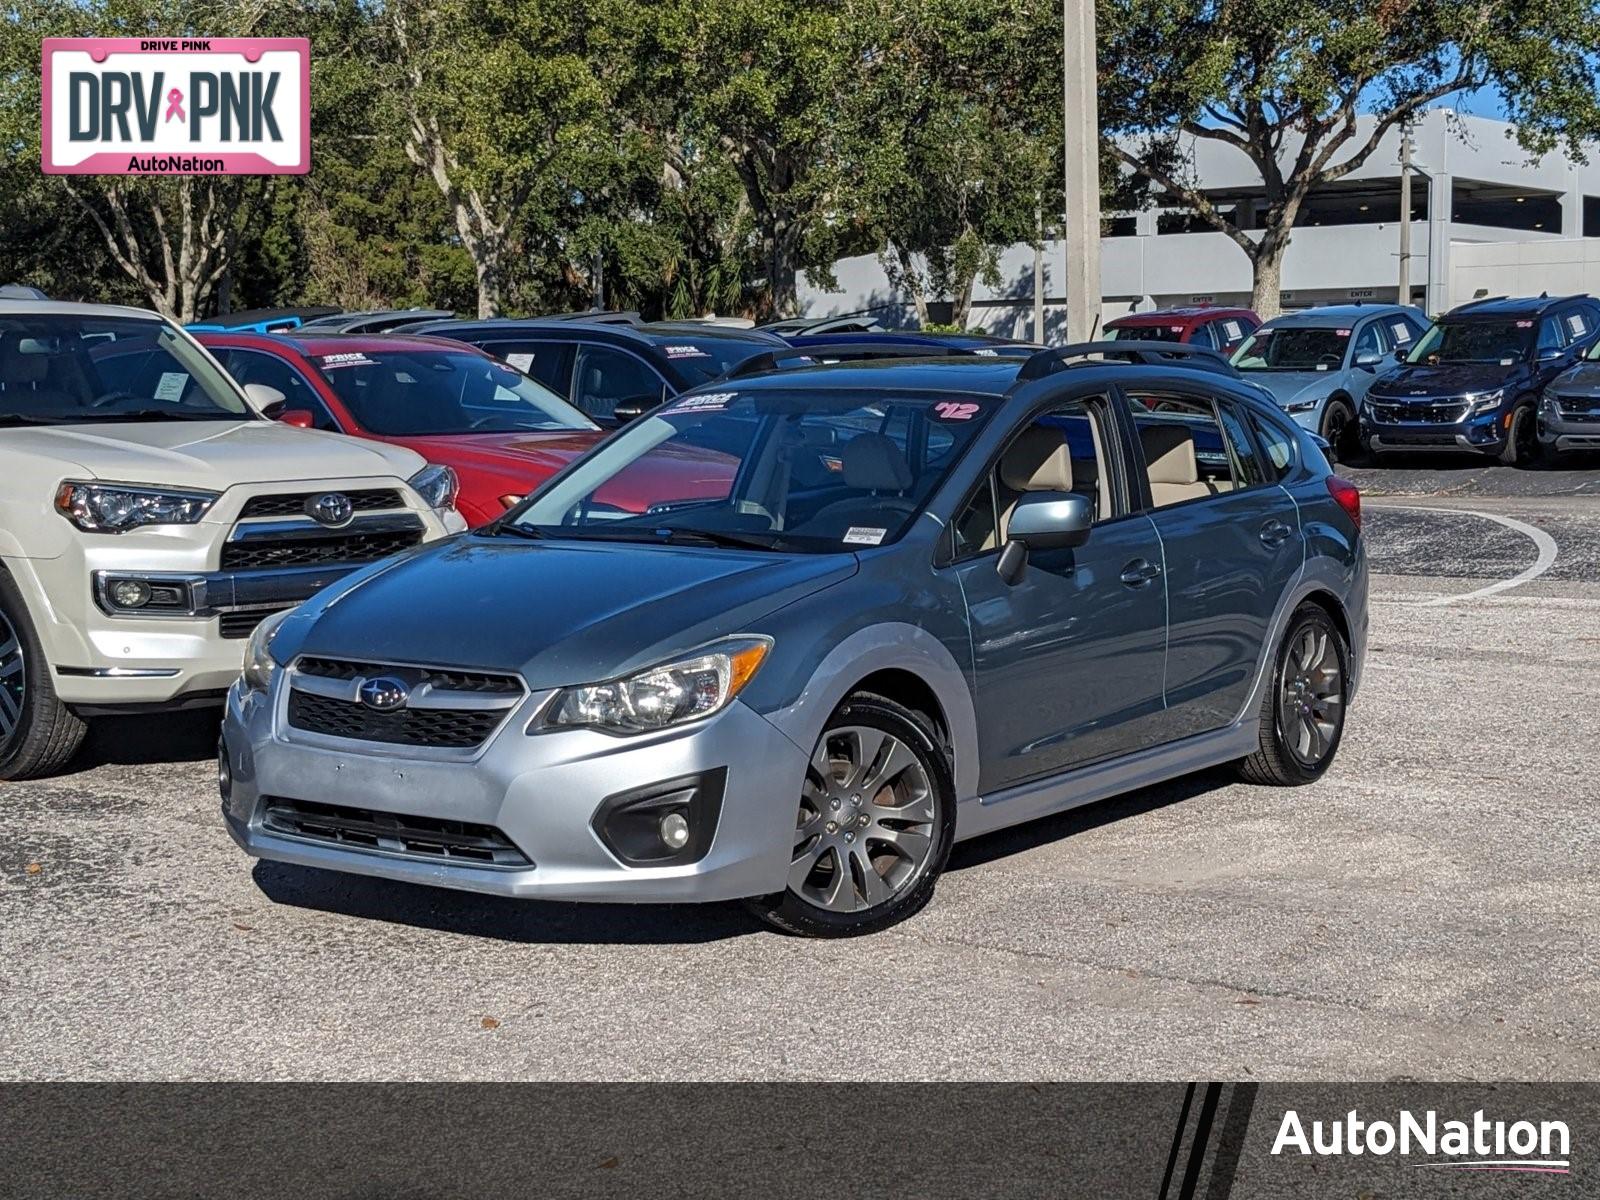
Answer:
(1302, 712)
(874, 826)
(1522, 436)
(38, 733)
(1340, 431)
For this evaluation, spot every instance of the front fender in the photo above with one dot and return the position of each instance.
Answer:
(884, 647)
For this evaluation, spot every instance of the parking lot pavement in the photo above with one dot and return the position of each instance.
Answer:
(1428, 911)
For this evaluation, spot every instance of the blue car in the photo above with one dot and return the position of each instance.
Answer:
(1319, 363)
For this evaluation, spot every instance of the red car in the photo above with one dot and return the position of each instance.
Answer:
(499, 431)
(1219, 329)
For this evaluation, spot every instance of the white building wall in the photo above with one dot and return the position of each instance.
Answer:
(1559, 267)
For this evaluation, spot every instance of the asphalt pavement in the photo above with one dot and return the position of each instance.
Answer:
(1429, 910)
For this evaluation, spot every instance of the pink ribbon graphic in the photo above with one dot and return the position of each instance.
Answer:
(175, 105)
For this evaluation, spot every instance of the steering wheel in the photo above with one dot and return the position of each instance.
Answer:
(110, 398)
(864, 508)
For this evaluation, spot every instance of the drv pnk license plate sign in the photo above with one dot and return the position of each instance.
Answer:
(177, 106)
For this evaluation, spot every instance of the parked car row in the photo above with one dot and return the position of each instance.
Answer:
(783, 637)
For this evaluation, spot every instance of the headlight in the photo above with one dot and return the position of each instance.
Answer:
(1483, 402)
(1300, 406)
(115, 508)
(671, 694)
(436, 485)
(259, 665)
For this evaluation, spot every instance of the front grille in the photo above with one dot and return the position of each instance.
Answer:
(439, 728)
(1573, 409)
(293, 504)
(1449, 413)
(445, 680)
(462, 842)
(346, 546)
(243, 624)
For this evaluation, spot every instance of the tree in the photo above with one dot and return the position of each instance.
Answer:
(1307, 91)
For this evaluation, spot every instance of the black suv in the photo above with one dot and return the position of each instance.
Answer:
(614, 370)
(1474, 380)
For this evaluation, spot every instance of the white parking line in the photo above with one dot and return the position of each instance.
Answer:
(1546, 545)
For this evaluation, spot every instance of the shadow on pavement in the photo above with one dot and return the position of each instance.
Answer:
(525, 921)
(1033, 834)
(171, 737)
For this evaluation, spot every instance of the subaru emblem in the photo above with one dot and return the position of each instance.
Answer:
(331, 508)
(384, 694)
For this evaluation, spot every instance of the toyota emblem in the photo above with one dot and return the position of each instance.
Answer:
(331, 508)
(384, 694)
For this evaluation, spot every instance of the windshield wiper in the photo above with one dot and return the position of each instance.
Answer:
(716, 537)
(515, 530)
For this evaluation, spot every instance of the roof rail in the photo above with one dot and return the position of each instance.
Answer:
(598, 317)
(766, 360)
(849, 349)
(1148, 353)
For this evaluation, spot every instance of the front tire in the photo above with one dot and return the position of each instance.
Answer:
(1302, 712)
(874, 826)
(38, 734)
(1341, 431)
(1522, 437)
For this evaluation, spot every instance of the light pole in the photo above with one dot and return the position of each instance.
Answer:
(1405, 215)
(1081, 111)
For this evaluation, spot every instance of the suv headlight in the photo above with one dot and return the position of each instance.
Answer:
(116, 508)
(674, 693)
(437, 485)
(259, 665)
(1300, 406)
(1483, 402)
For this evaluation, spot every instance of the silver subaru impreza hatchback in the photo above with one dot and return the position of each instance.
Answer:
(787, 638)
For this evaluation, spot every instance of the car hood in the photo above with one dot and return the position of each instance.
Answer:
(559, 612)
(213, 455)
(1446, 379)
(1583, 380)
(1288, 386)
(528, 456)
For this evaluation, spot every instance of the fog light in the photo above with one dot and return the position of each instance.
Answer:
(674, 831)
(130, 593)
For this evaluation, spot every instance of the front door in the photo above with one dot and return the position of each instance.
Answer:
(1067, 661)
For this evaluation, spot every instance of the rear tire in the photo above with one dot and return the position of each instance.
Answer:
(875, 823)
(38, 734)
(1302, 710)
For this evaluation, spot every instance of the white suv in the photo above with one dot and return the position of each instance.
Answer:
(150, 517)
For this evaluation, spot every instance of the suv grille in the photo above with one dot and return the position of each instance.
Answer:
(392, 833)
(347, 546)
(324, 699)
(1447, 413)
(293, 504)
(1573, 408)
(242, 624)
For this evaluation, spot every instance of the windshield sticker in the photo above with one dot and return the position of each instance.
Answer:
(1508, 362)
(1231, 328)
(519, 362)
(171, 385)
(1322, 366)
(987, 353)
(1401, 331)
(1342, 332)
(1575, 323)
(710, 402)
(685, 352)
(1524, 324)
(861, 535)
(352, 358)
(950, 410)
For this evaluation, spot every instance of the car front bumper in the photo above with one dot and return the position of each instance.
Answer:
(1481, 434)
(540, 791)
(1568, 423)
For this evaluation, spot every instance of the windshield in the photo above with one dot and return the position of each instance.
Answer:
(784, 470)
(70, 369)
(1475, 342)
(702, 359)
(416, 393)
(1145, 333)
(1292, 349)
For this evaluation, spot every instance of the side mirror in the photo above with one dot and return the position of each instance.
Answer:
(268, 401)
(1551, 353)
(1043, 521)
(633, 408)
(1400, 353)
(1368, 360)
(298, 417)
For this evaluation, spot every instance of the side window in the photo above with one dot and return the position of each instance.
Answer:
(1402, 333)
(1186, 453)
(1551, 335)
(548, 362)
(1368, 341)
(252, 366)
(1230, 332)
(606, 378)
(1205, 335)
(1278, 445)
(1246, 464)
(1061, 450)
(1578, 325)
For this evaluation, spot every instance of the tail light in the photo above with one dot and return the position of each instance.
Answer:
(1347, 496)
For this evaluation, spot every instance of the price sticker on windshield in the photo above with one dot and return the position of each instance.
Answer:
(951, 410)
(685, 352)
(350, 359)
(862, 535)
(171, 386)
(710, 402)
(519, 362)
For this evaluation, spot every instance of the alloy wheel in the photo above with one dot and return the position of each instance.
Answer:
(866, 824)
(1311, 695)
(13, 679)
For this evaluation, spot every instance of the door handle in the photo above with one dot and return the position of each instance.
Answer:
(1139, 572)
(1274, 533)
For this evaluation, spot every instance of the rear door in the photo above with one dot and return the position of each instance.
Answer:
(1230, 544)
(550, 363)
